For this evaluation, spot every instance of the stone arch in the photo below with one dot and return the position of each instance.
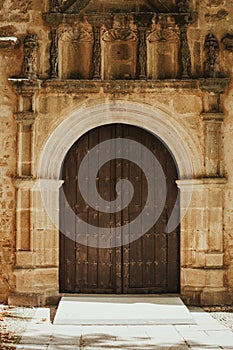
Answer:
(155, 120)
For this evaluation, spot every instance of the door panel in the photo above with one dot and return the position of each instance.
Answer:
(148, 265)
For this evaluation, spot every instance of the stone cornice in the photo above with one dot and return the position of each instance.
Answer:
(189, 184)
(54, 19)
(214, 117)
(216, 85)
(26, 86)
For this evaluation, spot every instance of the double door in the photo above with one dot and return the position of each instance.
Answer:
(149, 264)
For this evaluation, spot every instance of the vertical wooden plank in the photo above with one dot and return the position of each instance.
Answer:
(135, 253)
(125, 218)
(93, 219)
(118, 214)
(105, 258)
(148, 238)
(81, 280)
(172, 237)
(69, 175)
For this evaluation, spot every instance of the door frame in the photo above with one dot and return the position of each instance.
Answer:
(157, 121)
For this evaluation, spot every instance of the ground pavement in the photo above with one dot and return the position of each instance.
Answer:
(207, 334)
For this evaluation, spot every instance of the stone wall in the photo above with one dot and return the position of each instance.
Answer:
(199, 114)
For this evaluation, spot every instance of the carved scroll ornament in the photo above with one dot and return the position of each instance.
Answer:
(163, 29)
(119, 34)
(122, 30)
(81, 31)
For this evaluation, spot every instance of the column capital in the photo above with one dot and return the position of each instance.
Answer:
(190, 184)
(26, 118)
(217, 117)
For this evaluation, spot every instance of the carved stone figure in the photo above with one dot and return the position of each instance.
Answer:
(30, 57)
(185, 53)
(227, 41)
(183, 6)
(212, 50)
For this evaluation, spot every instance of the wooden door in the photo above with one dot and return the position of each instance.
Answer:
(148, 265)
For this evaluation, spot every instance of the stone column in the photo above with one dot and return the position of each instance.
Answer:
(37, 264)
(213, 143)
(96, 53)
(212, 116)
(142, 53)
(54, 54)
(202, 263)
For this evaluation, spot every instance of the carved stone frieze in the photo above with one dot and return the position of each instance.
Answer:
(211, 47)
(30, 57)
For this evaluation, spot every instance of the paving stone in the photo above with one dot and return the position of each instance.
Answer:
(222, 338)
(31, 347)
(198, 338)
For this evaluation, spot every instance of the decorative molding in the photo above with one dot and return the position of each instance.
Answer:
(213, 117)
(26, 118)
(119, 34)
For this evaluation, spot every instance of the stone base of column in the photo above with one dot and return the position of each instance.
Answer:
(206, 297)
(33, 299)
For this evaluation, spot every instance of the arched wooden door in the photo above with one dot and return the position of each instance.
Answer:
(148, 265)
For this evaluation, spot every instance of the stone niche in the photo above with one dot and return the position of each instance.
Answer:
(75, 49)
(163, 49)
(119, 50)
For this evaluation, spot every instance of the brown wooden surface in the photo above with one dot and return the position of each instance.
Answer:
(148, 265)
